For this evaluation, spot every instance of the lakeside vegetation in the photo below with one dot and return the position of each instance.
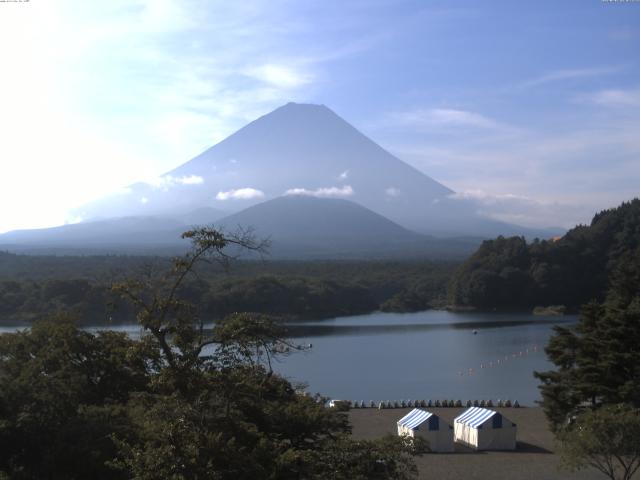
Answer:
(570, 271)
(592, 397)
(550, 276)
(34, 286)
(175, 403)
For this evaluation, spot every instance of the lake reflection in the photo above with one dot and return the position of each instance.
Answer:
(318, 330)
(425, 355)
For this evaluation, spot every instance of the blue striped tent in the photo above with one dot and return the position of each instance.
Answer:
(439, 434)
(484, 429)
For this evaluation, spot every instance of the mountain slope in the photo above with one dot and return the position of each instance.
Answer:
(300, 149)
(114, 234)
(308, 149)
(303, 226)
(299, 227)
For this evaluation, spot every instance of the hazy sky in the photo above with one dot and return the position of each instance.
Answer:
(532, 108)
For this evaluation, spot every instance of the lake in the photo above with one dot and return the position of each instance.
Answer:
(425, 355)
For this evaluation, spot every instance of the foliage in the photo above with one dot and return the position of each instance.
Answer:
(598, 361)
(592, 399)
(34, 286)
(386, 459)
(424, 293)
(182, 402)
(607, 439)
(299, 297)
(573, 270)
(61, 396)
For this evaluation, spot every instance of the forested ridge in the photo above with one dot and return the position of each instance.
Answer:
(571, 271)
(34, 286)
(180, 402)
(502, 273)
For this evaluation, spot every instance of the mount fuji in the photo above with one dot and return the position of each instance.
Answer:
(297, 151)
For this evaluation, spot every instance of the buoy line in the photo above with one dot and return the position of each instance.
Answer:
(501, 361)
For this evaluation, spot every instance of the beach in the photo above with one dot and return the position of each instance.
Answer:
(534, 458)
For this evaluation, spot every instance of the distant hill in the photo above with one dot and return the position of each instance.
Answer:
(574, 269)
(299, 227)
(126, 234)
(303, 226)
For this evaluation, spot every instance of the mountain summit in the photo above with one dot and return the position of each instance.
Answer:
(300, 169)
(297, 148)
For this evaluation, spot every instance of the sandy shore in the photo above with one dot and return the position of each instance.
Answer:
(533, 460)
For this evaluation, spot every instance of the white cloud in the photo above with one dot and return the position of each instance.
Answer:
(282, 76)
(568, 74)
(345, 191)
(173, 76)
(168, 181)
(581, 162)
(344, 175)
(460, 117)
(525, 211)
(191, 180)
(144, 200)
(442, 117)
(73, 219)
(240, 194)
(613, 98)
(485, 197)
(392, 192)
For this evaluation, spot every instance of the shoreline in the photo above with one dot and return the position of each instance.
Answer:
(25, 320)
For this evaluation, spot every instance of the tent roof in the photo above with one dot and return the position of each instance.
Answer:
(415, 418)
(475, 416)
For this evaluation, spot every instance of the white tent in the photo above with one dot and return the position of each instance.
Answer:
(484, 429)
(425, 424)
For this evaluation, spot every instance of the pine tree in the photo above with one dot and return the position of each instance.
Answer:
(598, 361)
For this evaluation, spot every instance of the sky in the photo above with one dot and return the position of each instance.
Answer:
(530, 109)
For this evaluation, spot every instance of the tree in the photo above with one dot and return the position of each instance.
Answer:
(598, 361)
(172, 322)
(607, 439)
(386, 459)
(217, 409)
(572, 270)
(182, 402)
(61, 397)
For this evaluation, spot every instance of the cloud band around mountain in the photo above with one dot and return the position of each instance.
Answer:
(168, 181)
(327, 192)
(240, 194)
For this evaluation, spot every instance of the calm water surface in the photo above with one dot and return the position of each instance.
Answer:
(425, 355)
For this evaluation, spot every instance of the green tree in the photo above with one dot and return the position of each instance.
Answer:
(572, 270)
(386, 459)
(218, 410)
(182, 402)
(607, 439)
(598, 361)
(61, 396)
